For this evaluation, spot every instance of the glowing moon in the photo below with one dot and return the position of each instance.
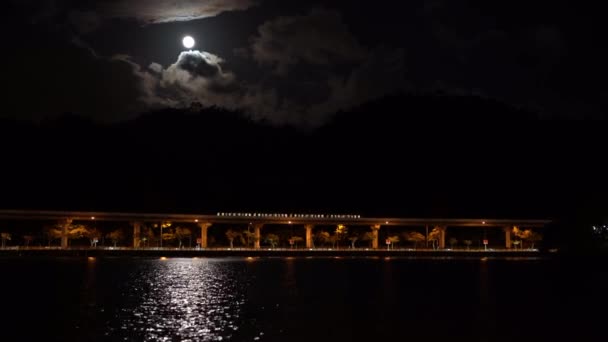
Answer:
(188, 42)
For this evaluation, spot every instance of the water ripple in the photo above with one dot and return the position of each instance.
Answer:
(182, 300)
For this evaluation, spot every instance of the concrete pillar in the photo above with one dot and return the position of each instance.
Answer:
(257, 235)
(442, 231)
(136, 234)
(65, 226)
(204, 228)
(508, 237)
(375, 229)
(309, 228)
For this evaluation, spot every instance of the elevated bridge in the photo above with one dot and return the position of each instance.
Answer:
(259, 220)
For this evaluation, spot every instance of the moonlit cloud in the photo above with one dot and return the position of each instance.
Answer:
(300, 99)
(164, 11)
(196, 76)
(157, 68)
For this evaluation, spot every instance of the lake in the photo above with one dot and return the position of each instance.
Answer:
(301, 299)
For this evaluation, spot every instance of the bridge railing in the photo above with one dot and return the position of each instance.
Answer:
(269, 249)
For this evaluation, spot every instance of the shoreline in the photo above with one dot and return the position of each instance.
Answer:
(226, 252)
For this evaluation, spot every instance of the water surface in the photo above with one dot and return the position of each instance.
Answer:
(301, 299)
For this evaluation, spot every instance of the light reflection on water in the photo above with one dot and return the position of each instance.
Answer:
(183, 299)
(298, 299)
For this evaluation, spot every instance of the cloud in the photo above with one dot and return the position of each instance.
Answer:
(334, 72)
(195, 77)
(305, 99)
(382, 74)
(84, 21)
(157, 68)
(164, 11)
(318, 38)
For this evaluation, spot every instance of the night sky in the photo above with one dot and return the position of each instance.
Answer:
(411, 108)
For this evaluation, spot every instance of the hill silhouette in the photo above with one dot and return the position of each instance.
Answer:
(403, 155)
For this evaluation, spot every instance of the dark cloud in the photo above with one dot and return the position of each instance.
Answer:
(164, 11)
(84, 21)
(87, 16)
(382, 74)
(298, 68)
(329, 71)
(319, 38)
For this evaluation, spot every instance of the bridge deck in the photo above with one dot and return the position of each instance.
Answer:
(296, 219)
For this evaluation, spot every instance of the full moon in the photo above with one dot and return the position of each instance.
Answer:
(188, 42)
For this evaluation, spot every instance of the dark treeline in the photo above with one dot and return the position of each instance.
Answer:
(406, 155)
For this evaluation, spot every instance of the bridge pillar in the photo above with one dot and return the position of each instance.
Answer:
(257, 235)
(309, 228)
(204, 229)
(375, 229)
(136, 234)
(65, 225)
(442, 231)
(507, 231)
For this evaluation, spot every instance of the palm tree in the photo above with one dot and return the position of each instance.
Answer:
(340, 234)
(231, 235)
(52, 233)
(534, 237)
(468, 243)
(182, 233)
(116, 236)
(434, 236)
(394, 240)
(323, 237)
(5, 237)
(521, 234)
(55, 231)
(527, 235)
(28, 239)
(161, 226)
(333, 241)
(516, 242)
(169, 235)
(93, 234)
(148, 236)
(78, 231)
(414, 237)
(249, 237)
(296, 239)
(272, 239)
(453, 241)
(369, 237)
(353, 239)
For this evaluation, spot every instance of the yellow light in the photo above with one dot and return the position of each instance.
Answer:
(163, 258)
(483, 222)
(92, 217)
(196, 220)
(91, 258)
